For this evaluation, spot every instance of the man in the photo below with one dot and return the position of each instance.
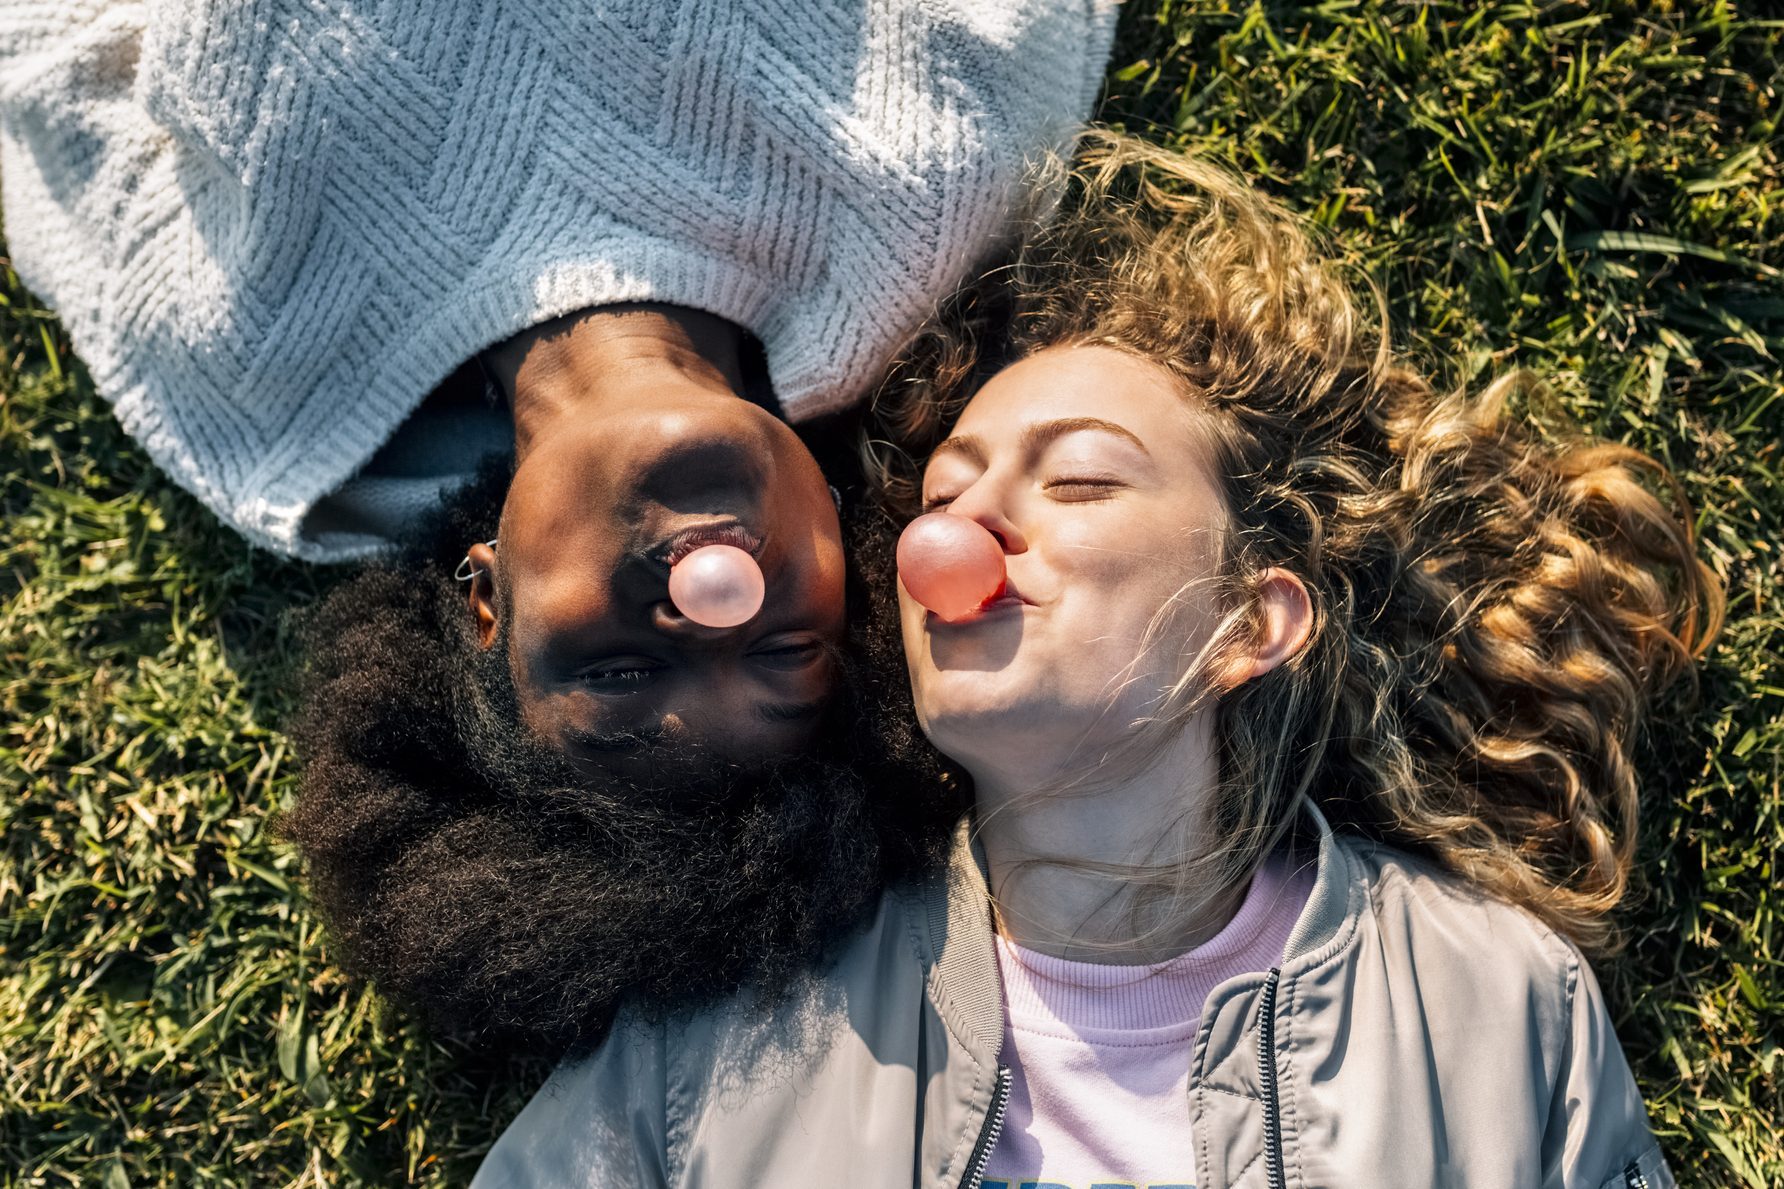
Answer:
(297, 244)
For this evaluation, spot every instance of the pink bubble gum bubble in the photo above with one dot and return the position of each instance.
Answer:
(717, 586)
(950, 564)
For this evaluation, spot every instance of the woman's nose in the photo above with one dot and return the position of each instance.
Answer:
(983, 503)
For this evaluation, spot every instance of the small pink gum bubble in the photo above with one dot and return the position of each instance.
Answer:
(950, 564)
(717, 586)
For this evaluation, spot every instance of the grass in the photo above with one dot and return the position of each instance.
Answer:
(1593, 192)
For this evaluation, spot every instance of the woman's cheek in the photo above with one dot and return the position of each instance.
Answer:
(1106, 555)
(910, 621)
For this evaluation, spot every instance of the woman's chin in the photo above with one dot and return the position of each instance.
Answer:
(985, 725)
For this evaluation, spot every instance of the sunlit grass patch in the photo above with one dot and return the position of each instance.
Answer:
(1591, 192)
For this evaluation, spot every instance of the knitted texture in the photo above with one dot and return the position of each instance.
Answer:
(272, 227)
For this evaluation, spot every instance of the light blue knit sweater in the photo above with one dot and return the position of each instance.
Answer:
(273, 226)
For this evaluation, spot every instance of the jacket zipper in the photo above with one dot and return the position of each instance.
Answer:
(1634, 1178)
(1266, 1060)
(994, 1121)
(1266, 1064)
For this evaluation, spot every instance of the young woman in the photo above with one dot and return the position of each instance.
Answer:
(1299, 742)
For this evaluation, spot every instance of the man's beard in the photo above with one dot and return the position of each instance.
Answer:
(535, 922)
(483, 884)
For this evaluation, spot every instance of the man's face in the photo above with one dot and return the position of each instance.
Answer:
(602, 661)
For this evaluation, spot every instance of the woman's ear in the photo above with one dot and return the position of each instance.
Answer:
(1284, 619)
(483, 592)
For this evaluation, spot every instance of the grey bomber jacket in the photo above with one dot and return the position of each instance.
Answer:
(1415, 1033)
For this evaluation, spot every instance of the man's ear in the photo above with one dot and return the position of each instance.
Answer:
(1284, 619)
(483, 592)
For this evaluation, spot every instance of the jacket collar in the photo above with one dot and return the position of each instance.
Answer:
(961, 952)
(962, 955)
(1336, 902)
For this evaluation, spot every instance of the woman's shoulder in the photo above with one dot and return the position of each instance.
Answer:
(1506, 1007)
(1419, 907)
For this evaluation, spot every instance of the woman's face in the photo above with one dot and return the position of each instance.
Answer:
(1095, 472)
(602, 660)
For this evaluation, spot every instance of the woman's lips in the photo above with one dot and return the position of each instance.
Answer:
(1007, 599)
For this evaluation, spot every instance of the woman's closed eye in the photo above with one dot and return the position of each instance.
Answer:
(1077, 489)
(940, 490)
(1083, 488)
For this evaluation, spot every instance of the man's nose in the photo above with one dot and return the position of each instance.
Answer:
(665, 618)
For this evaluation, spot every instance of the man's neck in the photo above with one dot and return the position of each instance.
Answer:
(572, 367)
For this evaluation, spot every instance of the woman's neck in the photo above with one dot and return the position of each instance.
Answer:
(1038, 843)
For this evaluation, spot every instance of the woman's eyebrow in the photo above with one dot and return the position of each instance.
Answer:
(1038, 437)
(960, 443)
(1042, 434)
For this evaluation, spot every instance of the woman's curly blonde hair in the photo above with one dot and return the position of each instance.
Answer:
(1494, 609)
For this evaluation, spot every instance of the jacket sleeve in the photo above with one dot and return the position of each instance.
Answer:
(1598, 1136)
(599, 1121)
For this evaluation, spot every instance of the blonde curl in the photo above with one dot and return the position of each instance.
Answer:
(1495, 607)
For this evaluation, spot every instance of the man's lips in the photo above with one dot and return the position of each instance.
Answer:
(727, 532)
